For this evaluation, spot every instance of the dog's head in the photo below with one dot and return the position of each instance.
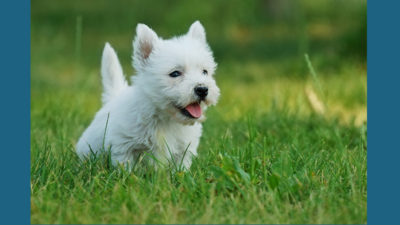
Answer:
(177, 74)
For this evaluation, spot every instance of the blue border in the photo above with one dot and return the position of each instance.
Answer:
(15, 111)
(383, 54)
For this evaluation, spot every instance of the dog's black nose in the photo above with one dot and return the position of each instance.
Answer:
(201, 91)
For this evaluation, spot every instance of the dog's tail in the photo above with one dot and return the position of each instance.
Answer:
(112, 75)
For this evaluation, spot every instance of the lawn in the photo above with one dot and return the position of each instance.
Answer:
(285, 144)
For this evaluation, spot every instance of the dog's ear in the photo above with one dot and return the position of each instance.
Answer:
(144, 43)
(197, 31)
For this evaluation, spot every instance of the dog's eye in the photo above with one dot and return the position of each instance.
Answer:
(176, 73)
(205, 72)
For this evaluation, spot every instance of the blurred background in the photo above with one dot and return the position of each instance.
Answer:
(260, 46)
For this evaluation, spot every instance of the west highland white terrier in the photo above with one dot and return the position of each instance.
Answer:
(161, 112)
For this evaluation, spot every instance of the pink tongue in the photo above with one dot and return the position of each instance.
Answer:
(194, 110)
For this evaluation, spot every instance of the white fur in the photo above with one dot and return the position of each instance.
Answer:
(111, 73)
(145, 116)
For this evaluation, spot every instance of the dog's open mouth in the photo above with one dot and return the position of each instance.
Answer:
(192, 110)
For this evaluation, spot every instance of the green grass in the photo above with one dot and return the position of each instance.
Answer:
(266, 155)
(264, 158)
(276, 168)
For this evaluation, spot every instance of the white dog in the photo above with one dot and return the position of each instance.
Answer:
(161, 112)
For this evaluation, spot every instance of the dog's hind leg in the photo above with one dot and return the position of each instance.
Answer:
(112, 75)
